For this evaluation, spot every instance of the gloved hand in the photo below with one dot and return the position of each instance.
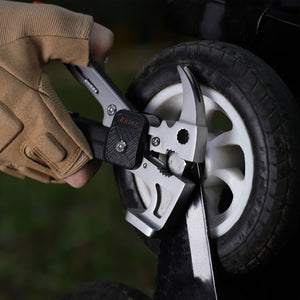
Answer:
(38, 139)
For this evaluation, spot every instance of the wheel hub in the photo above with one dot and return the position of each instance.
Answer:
(228, 171)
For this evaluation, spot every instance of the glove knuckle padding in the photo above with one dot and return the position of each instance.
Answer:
(38, 138)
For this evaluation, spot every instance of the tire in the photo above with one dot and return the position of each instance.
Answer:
(252, 163)
(105, 290)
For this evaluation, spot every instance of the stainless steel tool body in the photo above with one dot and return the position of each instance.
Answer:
(133, 140)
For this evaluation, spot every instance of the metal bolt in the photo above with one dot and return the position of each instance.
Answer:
(145, 165)
(155, 141)
(121, 146)
(111, 109)
(176, 164)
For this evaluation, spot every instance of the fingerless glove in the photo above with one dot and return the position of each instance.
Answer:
(38, 139)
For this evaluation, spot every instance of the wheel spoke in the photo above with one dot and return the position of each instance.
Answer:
(210, 108)
(212, 200)
(225, 138)
(233, 178)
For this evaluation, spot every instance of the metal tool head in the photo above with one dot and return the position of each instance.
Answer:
(193, 109)
(187, 136)
(182, 140)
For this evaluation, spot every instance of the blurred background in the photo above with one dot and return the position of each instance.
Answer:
(53, 237)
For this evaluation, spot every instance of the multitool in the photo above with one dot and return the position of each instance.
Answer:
(167, 155)
(138, 142)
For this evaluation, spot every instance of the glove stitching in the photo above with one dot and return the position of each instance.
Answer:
(40, 93)
(19, 79)
(5, 168)
(41, 36)
(59, 171)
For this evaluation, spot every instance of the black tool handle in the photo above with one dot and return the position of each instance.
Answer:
(123, 144)
(95, 133)
(128, 129)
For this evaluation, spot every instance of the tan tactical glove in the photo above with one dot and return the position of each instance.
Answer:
(38, 138)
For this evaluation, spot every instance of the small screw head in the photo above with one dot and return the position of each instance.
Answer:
(111, 109)
(155, 141)
(145, 165)
(121, 146)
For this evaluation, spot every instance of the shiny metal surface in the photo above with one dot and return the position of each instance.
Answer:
(192, 120)
(199, 243)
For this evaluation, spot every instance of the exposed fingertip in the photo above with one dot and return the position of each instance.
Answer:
(101, 41)
(83, 176)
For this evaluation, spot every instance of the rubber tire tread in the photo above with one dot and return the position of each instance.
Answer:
(271, 116)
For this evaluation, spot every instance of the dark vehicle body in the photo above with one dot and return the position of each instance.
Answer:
(268, 28)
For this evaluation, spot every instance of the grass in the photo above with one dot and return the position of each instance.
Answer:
(53, 237)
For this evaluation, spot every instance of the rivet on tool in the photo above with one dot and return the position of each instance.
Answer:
(155, 141)
(121, 146)
(111, 109)
(145, 165)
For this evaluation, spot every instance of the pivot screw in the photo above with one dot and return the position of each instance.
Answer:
(111, 109)
(176, 164)
(121, 146)
(155, 141)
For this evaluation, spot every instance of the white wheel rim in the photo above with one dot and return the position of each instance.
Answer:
(228, 160)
